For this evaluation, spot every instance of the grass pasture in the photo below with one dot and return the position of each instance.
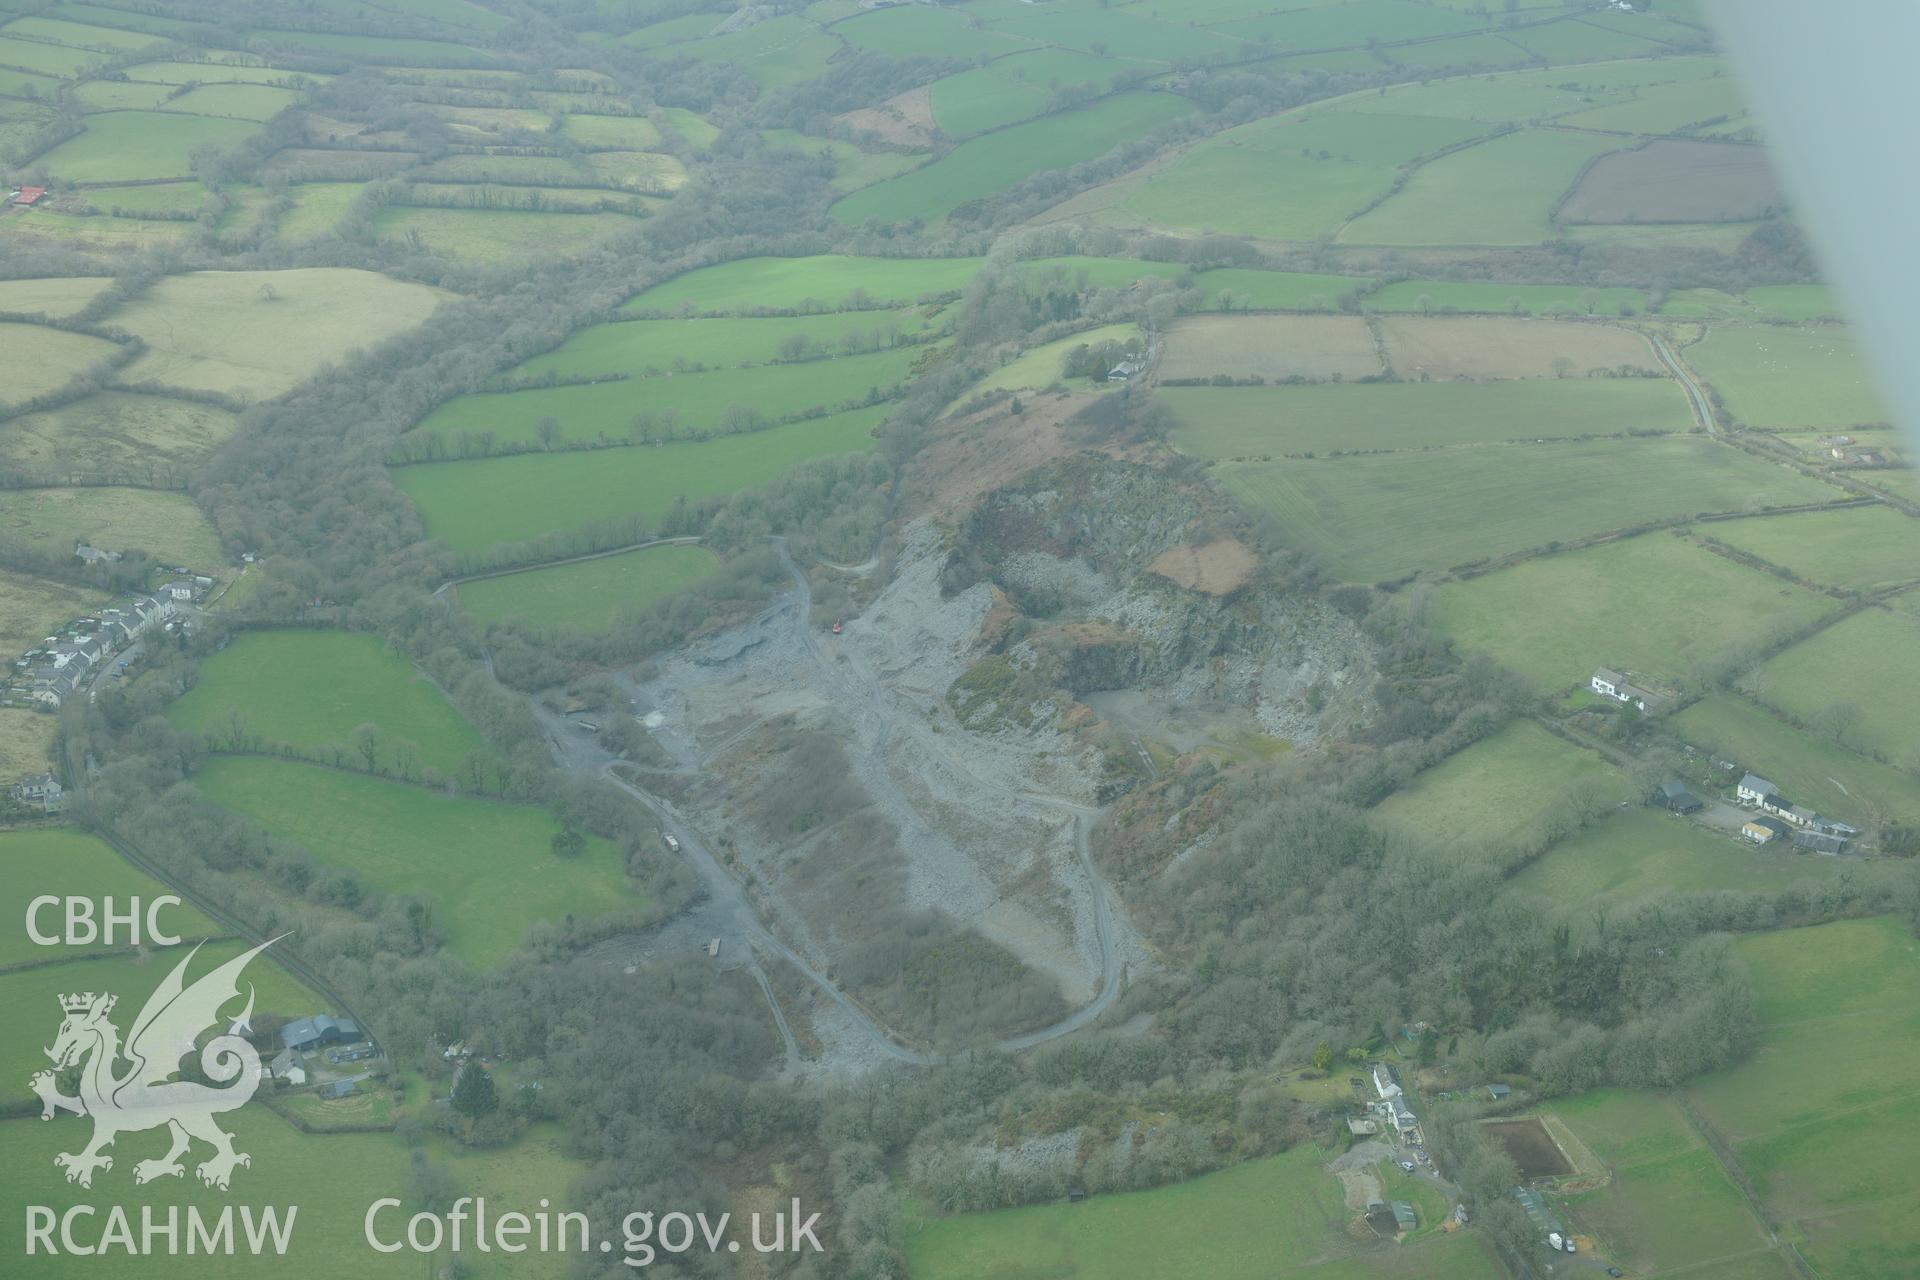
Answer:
(311, 689)
(1865, 664)
(1042, 366)
(779, 51)
(988, 165)
(1655, 604)
(30, 607)
(256, 334)
(1482, 800)
(1381, 516)
(120, 95)
(1011, 89)
(590, 595)
(592, 410)
(611, 133)
(1813, 771)
(261, 102)
(1837, 1006)
(1666, 108)
(1645, 852)
(490, 501)
(317, 209)
(1247, 289)
(115, 432)
(1499, 192)
(162, 522)
(640, 348)
(1676, 180)
(488, 866)
(1775, 376)
(124, 146)
(1276, 348)
(64, 861)
(1279, 1216)
(26, 741)
(1244, 422)
(1668, 1204)
(1510, 299)
(1438, 347)
(30, 998)
(41, 360)
(502, 235)
(1859, 549)
(852, 167)
(828, 282)
(919, 31)
(1289, 177)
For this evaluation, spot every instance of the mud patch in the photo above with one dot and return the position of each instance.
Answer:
(1531, 1147)
(1217, 569)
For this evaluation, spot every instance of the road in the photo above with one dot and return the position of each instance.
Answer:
(1702, 409)
(727, 913)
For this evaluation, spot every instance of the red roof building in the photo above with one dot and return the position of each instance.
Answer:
(27, 195)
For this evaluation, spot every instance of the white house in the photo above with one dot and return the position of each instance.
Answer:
(1754, 789)
(1383, 1081)
(1606, 682)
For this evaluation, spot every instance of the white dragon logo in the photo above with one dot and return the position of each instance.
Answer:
(148, 1095)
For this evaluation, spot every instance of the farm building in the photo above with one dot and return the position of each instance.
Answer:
(1606, 682)
(339, 1089)
(1609, 683)
(1403, 1217)
(310, 1033)
(1754, 789)
(1499, 1092)
(286, 1065)
(1819, 842)
(1674, 796)
(1761, 830)
(26, 196)
(1538, 1213)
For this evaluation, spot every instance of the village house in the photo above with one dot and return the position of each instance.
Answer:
(1609, 683)
(91, 554)
(1762, 830)
(1383, 1082)
(40, 791)
(1754, 789)
(1125, 369)
(286, 1065)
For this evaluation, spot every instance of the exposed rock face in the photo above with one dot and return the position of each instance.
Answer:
(1072, 547)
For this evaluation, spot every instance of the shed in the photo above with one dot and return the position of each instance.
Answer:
(1676, 797)
(339, 1089)
(1819, 842)
(1761, 830)
(1498, 1091)
(1403, 1216)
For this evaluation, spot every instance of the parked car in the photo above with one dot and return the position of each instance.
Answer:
(673, 845)
(1407, 1166)
(1615, 1271)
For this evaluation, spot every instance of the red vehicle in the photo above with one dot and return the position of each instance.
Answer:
(836, 627)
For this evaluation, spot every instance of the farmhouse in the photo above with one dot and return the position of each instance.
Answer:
(1606, 682)
(1403, 1118)
(1674, 796)
(286, 1065)
(1754, 789)
(1761, 830)
(41, 791)
(312, 1032)
(1383, 1082)
(91, 554)
(1125, 370)
(26, 196)
(1609, 683)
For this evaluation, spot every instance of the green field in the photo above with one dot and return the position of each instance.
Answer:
(1041, 367)
(256, 334)
(824, 283)
(1011, 89)
(1668, 1204)
(1807, 1112)
(502, 235)
(487, 865)
(121, 146)
(594, 410)
(852, 167)
(1344, 26)
(1859, 549)
(1865, 663)
(1115, 31)
(1775, 376)
(311, 690)
(1505, 299)
(1499, 192)
(1482, 800)
(779, 51)
(317, 209)
(920, 31)
(591, 595)
(41, 360)
(1664, 108)
(1376, 517)
(30, 998)
(1812, 771)
(1645, 852)
(115, 432)
(282, 1174)
(488, 501)
(611, 133)
(63, 861)
(120, 95)
(988, 165)
(161, 522)
(1290, 177)
(1281, 1216)
(638, 348)
(1654, 604)
(259, 102)
(1243, 422)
